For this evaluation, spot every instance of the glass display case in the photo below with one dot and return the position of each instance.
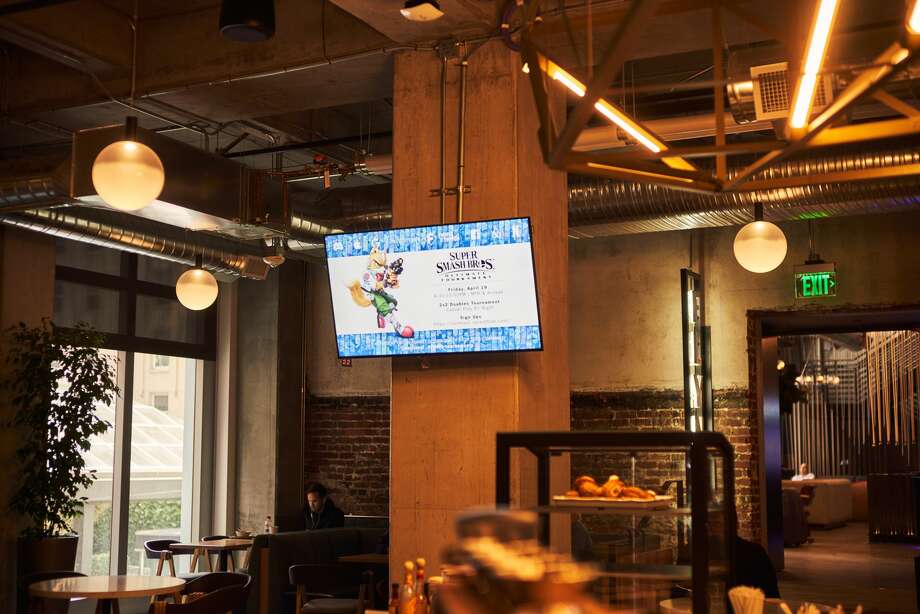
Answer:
(658, 519)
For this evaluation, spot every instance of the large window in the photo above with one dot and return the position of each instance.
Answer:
(159, 505)
(94, 526)
(148, 461)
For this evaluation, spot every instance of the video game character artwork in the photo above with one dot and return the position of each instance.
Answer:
(377, 288)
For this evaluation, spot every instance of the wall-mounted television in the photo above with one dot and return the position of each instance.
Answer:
(444, 289)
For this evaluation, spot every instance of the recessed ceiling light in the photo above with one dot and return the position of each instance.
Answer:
(421, 10)
(247, 21)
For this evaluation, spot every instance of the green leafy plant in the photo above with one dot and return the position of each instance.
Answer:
(55, 378)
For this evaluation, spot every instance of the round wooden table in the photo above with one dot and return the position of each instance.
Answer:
(107, 589)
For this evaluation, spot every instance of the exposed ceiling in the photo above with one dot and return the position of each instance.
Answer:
(462, 19)
(328, 71)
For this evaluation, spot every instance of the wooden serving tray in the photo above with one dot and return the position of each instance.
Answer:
(660, 502)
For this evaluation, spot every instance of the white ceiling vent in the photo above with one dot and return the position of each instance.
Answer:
(771, 91)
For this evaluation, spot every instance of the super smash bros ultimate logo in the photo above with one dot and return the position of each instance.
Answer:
(464, 261)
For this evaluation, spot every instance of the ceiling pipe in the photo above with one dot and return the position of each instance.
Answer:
(29, 192)
(296, 146)
(140, 237)
(603, 207)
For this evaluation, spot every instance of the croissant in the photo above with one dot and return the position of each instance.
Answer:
(613, 487)
(589, 489)
(634, 492)
(584, 478)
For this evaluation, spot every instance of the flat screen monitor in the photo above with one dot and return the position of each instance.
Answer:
(445, 289)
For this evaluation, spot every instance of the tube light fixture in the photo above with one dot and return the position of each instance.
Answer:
(615, 116)
(634, 171)
(913, 20)
(127, 174)
(814, 57)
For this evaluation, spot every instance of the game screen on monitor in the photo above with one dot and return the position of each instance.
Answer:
(445, 289)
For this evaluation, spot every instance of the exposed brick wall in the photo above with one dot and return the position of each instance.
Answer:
(663, 410)
(348, 441)
(348, 450)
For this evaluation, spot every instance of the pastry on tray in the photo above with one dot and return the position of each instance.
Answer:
(613, 488)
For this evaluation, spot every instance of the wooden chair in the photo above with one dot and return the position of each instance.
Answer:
(37, 605)
(158, 550)
(330, 589)
(219, 593)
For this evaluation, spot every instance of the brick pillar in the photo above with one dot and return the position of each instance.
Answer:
(446, 410)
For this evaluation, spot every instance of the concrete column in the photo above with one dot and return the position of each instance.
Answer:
(26, 295)
(257, 401)
(269, 412)
(446, 410)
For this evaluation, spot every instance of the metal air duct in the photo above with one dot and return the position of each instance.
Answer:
(141, 237)
(603, 207)
(32, 183)
(203, 191)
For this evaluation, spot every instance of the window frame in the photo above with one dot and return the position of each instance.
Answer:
(130, 288)
(128, 345)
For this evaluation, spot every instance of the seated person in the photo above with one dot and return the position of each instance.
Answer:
(803, 473)
(321, 512)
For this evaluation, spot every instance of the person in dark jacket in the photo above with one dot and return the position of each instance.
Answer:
(321, 512)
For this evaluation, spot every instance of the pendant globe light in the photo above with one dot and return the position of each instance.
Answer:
(127, 174)
(196, 289)
(760, 246)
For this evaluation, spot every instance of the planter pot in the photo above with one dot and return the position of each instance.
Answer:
(38, 554)
(46, 554)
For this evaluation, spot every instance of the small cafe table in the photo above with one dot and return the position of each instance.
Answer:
(107, 589)
(223, 547)
(368, 558)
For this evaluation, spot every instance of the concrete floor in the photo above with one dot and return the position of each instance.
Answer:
(841, 566)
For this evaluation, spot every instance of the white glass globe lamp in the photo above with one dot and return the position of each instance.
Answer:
(196, 289)
(127, 174)
(760, 246)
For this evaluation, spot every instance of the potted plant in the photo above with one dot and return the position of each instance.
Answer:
(53, 381)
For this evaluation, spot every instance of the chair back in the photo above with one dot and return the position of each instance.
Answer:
(212, 582)
(319, 580)
(211, 538)
(155, 547)
(227, 599)
(327, 579)
(48, 606)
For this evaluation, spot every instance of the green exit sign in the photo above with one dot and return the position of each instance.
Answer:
(816, 280)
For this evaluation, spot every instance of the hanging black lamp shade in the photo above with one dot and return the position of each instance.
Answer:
(247, 21)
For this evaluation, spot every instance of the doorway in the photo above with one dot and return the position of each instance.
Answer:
(838, 393)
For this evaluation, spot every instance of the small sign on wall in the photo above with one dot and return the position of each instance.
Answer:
(816, 280)
(345, 362)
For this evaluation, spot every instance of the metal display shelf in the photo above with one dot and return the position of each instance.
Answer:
(698, 447)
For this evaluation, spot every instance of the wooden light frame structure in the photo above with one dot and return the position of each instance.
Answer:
(656, 167)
